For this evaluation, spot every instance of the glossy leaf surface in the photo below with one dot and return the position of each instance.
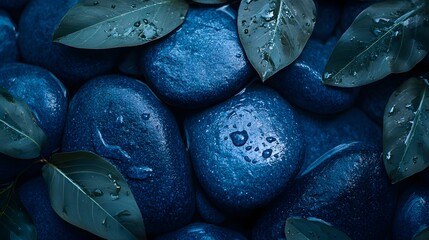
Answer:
(89, 192)
(387, 37)
(20, 136)
(406, 130)
(312, 229)
(110, 24)
(274, 32)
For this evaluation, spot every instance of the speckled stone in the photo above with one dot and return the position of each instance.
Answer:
(120, 119)
(73, 66)
(35, 198)
(47, 99)
(349, 189)
(203, 231)
(202, 63)
(322, 133)
(328, 14)
(411, 213)
(246, 150)
(8, 46)
(45, 95)
(301, 82)
(208, 212)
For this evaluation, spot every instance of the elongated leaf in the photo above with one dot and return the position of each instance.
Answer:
(210, 1)
(274, 32)
(406, 130)
(422, 235)
(311, 229)
(89, 192)
(15, 223)
(110, 23)
(387, 37)
(20, 137)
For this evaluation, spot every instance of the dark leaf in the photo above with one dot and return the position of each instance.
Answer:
(311, 229)
(89, 192)
(211, 1)
(387, 37)
(422, 235)
(110, 23)
(15, 223)
(406, 130)
(20, 137)
(274, 32)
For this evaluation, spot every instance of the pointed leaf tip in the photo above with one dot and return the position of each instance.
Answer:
(298, 228)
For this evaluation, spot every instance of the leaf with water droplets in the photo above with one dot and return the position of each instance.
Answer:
(15, 223)
(387, 37)
(88, 192)
(422, 235)
(20, 136)
(274, 32)
(406, 130)
(312, 229)
(110, 24)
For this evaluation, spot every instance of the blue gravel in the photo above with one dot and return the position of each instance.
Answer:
(246, 150)
(202, 63)
(120, 119)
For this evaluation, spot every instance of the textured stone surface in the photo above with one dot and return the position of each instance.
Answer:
(349, 189)
(246, 150)
(322, 133)
(120, 119)
(8, 46)
(203, 231)
(35, 198)
(208, 212)
(202, 63)
(328, 14)
(411, 213)
(301, 82)
(12, 4)
(73, 66)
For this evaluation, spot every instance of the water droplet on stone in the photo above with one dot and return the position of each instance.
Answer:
(97, 193)
(137, 24)
(145, 116)
(256, 149)
(267, 153)
(139, 172)
(239, 138)
(247, 159)
(248, 148)
(246, 31)
(238, 55)
(271, 139)
(249, 124)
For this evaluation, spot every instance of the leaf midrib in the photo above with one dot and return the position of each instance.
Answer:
(21, 133)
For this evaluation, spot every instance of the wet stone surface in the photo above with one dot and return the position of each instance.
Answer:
(246, 150)
(8, 33)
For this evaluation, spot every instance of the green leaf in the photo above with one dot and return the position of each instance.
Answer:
(387, 37)
(210, 1)
(422, 235)
(406, 130)
(273, 33)
(110, 23)
(89, 192)
(15, 223)
(20, 137)
(311, 229)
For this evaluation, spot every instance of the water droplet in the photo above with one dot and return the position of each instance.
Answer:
(256, 149)
(239, 138)
(249, 124)
(389, 155)
(246, 31)
(247, 159)
(114, 196)
(254, 161)
(96, 3)
(139, 172)
(408, 105)
(248, 148)
(248, 1)
(97, 193)
(391, 110)
(271, 139)
(113, 6)
(145, 116)
(267, 153)
(415, 159)
(327, 75)
(137, 24)
(238, 55)
(145, 21)
(133, 6)
(104, 222)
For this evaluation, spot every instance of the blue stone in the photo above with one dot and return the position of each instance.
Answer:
(349, 188)
(234, 178)
(203, 231)
(328, 14)
(35, 198)
(73, 66)
(322, 133)
(8, 46)
(411, 213)
(201, 63)
(120, 119)
(350, 11)
(12, 4)
(206, 209)
(301, 82)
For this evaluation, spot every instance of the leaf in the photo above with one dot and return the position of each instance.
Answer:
(406, 130)
(422, 235)
(110, 23)
(15, 223)
(20, 137)
(312, 228)
(273, 33)
(387, 37)
(211, 1)
(89, 192)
